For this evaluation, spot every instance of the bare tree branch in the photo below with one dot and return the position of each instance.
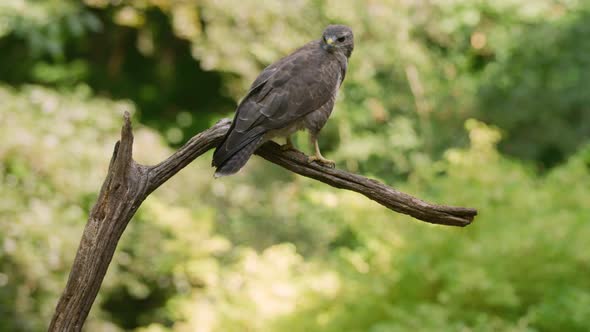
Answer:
(296, 162)
(128, 184)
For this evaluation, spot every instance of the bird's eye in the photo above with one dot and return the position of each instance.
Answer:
(341, 39)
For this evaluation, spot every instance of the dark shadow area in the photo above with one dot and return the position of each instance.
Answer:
(539, 96)
(165, 82)
(130, 312)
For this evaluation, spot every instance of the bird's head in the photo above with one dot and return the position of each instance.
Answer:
(338, 38)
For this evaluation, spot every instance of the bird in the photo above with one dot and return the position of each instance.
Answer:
(294, 93)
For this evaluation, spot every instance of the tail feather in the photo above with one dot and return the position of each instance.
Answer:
(234, 163)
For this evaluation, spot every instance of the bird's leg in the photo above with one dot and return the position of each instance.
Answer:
(318, 155)
(288, 145)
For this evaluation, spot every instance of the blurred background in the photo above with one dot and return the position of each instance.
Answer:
(481, 103)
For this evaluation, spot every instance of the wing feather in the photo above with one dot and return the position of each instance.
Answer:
(283, 93)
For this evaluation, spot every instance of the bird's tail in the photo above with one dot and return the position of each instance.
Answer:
(234, 163)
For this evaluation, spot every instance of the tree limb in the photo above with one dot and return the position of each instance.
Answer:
(128, 184)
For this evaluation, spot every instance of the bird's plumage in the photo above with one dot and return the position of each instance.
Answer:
(296, 92)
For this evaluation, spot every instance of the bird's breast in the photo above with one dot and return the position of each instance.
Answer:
(286, 131)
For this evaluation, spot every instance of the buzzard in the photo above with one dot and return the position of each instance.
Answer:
(297, 92)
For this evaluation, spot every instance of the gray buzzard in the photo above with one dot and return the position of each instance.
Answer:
(297, 92)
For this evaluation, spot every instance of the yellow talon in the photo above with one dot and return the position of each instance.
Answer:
(321, 160)
(318, 155)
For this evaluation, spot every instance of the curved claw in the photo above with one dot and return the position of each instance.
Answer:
(321, 160)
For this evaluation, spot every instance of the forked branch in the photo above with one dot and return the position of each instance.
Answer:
(128, 184)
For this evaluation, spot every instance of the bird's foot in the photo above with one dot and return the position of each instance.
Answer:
(321, 160)
(288, 147)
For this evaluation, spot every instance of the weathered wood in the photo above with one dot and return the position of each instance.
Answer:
(128, 183)
(296, 162)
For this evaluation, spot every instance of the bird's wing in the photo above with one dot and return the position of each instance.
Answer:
(284, 92)
(272, 68)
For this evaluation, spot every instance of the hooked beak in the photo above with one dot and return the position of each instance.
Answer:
(330, 41)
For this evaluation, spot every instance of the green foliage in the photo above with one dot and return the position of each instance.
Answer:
(45, 25)
(266, 250)
(556, 118)
(55, 150)
(48, 182)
